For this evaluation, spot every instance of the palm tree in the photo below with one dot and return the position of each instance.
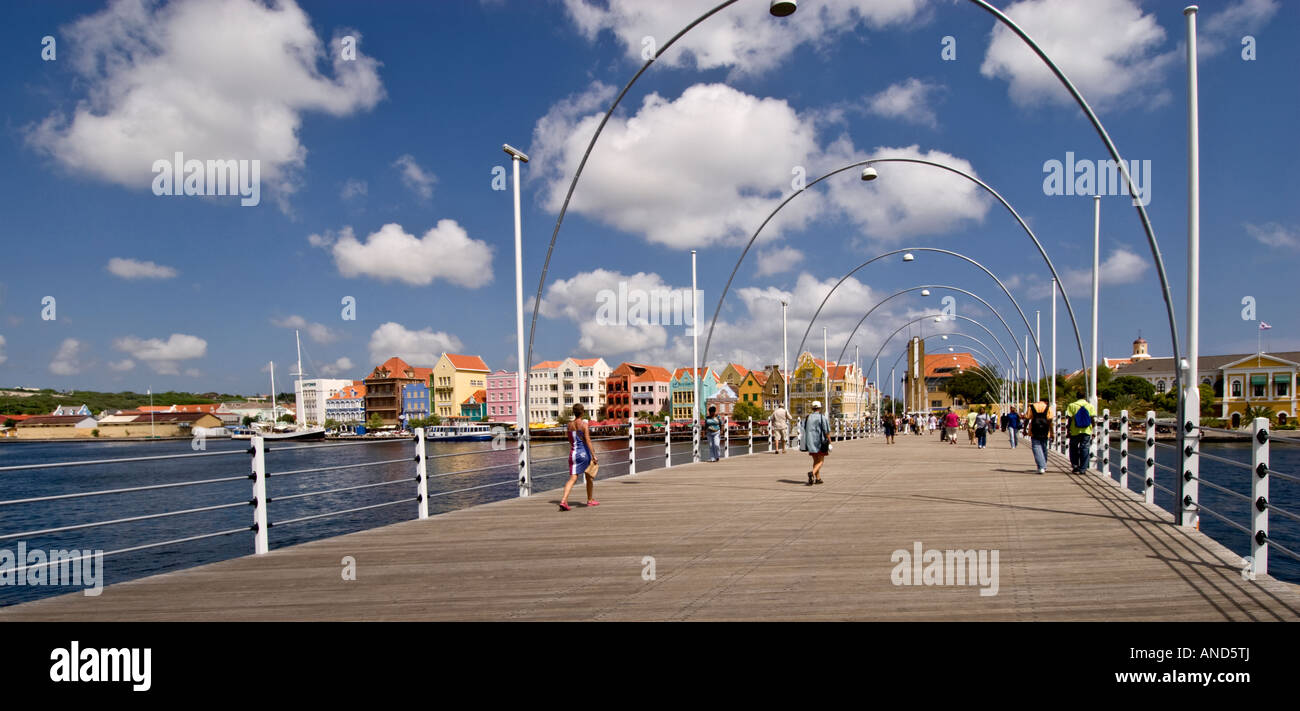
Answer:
(1258, 411)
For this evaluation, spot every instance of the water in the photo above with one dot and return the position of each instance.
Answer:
(493, 471)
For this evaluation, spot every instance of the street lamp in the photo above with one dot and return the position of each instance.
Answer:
(869, 174)
(521, 382)
(908, 257)
(783, 8)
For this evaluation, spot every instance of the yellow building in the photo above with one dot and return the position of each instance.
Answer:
(752, 388)
(454, 379)
(733, 375)
(1240, 381)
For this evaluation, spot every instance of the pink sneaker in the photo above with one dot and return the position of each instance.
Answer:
(564, 506)
(593, 503)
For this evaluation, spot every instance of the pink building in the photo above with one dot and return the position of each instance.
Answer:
(502, 396)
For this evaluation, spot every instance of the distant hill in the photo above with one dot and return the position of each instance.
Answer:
(15, 402)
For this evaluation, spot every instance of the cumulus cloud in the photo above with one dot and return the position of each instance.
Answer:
(743, 37)
(66, 360)
(444, 252)
(121, 366)
(318, 332)
(353, 188)
(1120, 267)
(1119, 56)
(907, 200)
(1272, 234)
(415, 178)
(420, 348)
(908, 101)
(777, 260)
(163, 357)
(579, 300)
(681, 172)
(215, 80)
(1224, 29)
(342, 366)
(136, 269)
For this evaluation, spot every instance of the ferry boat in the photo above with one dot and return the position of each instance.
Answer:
(459, 432)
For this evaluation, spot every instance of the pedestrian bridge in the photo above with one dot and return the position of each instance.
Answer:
(746, 539)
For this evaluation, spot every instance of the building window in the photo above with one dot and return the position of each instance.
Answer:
(1160, 386)
(1236, 388)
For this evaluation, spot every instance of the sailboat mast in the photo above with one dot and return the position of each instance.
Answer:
(272, 396)
(297, 390)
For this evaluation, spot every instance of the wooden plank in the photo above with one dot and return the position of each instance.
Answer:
(741, 539)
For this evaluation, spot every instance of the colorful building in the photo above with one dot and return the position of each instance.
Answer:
(555, 386)
(939, 369)
(310, 397)
(1240, 381)
(636, 389)
(774, 386)
(475, 406)
(724, 400)
(455, 378)
(751, 389)
(502, 396)
(416, 402)
(347, 406)
(383, 394)
(682, 392)
(733, 375)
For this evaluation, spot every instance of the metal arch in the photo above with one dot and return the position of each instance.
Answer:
(990, 358)
(930, 316)
(1024, 37)
(1025, 226)
(878, 304)
(987, 380)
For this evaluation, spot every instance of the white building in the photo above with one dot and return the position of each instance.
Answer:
(555, 386)
(348, 405)
(310, 396)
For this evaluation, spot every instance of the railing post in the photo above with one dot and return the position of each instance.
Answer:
(695, 442)
(751, 435)
(260, 539)
(771, 438)
(726, 436)
(1149, 454)
(668, 443)
(1123, 449)
(421, 474)
(525, 458)
(631, 444)
(1259, 492)
(1103, 447)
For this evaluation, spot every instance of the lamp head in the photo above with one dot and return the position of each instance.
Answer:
(925, 292)
(869, 174)
(908, 257)
(783, 8)
(514, 152)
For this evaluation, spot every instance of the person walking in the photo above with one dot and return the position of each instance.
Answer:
(1079, 417)
(981, 428)
(951, 421)
(889, 425)
(713, 427)
(1011, 423)
(933, 423)
(780, 421)
(1039, 427)
(816, 440)
(970, 427)
(582, 457)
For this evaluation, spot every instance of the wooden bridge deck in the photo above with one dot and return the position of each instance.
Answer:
(742, 539)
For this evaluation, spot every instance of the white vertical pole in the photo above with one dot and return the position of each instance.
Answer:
(421, 475)
(1123, 449)
(1189, 433)
(785, 369)
(751, 435)
(695, 363)
(826, 371)
(521, 382)
(1052, 376)
(631, 444)
(668, 442)
(1259, 492)
(1038, 362)
(1096, 293)
(1149, 460)
(260, 538)
(1103, 451)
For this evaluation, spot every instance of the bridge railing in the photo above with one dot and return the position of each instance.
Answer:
(1256, 523)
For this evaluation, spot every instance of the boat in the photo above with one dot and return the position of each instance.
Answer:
(459, 432)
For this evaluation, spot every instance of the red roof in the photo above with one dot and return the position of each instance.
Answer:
(15, 418)
(742, 370)
(479, 397)
(54, 419)
(398, 368)
(704, 373)
(154, 408)
(933, 362)
(355, 390)
(198, 408)
(467, 362)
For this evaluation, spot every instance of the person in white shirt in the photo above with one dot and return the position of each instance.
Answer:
(780, 423)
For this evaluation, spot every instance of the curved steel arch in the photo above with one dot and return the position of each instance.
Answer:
(987, 381)
(993, 359)
(930, 316)
(1014, 28)
(878, 304)
(986, 353)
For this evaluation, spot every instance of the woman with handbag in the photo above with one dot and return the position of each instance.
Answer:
(816, 441)
(582, 457)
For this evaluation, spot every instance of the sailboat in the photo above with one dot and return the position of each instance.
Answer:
(299, 431)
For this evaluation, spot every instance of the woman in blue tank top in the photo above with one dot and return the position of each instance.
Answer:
(581, 456)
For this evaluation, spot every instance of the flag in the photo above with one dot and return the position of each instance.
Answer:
(1264, 326)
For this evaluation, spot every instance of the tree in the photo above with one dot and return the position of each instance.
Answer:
(374, 422)
(331, 423)
(247, 421)
(1257, 411)
(970, 385)
(1208, 408)
(286, 417)
(1128, 384)
(563, 419)
(745, 410)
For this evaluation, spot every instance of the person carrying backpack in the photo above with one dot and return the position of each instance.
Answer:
(1039, 425)
(1080, 416)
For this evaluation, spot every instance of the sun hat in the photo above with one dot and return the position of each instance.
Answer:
(816, 404)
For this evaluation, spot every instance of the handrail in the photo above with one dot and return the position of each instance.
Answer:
(103, 492)
(128, 519)
(89, 462)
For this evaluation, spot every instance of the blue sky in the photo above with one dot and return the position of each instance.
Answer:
(377, 177)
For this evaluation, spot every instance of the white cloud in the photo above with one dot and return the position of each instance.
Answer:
(744, 37)
(65, 361)
(1121, 267)
(215, 80)
(700, 168)
(122, 366)
(907, 200)
(1274, 235)
(136, 269)
(3, 357)
(353, 188)
(576, 299)
(1118, 57)
(777, 260)
(342, 366)
(420, 348)
(318, 332)
(163, 356)
(1223, 30)
(444, 252)
(907, 101)
(415, 178)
